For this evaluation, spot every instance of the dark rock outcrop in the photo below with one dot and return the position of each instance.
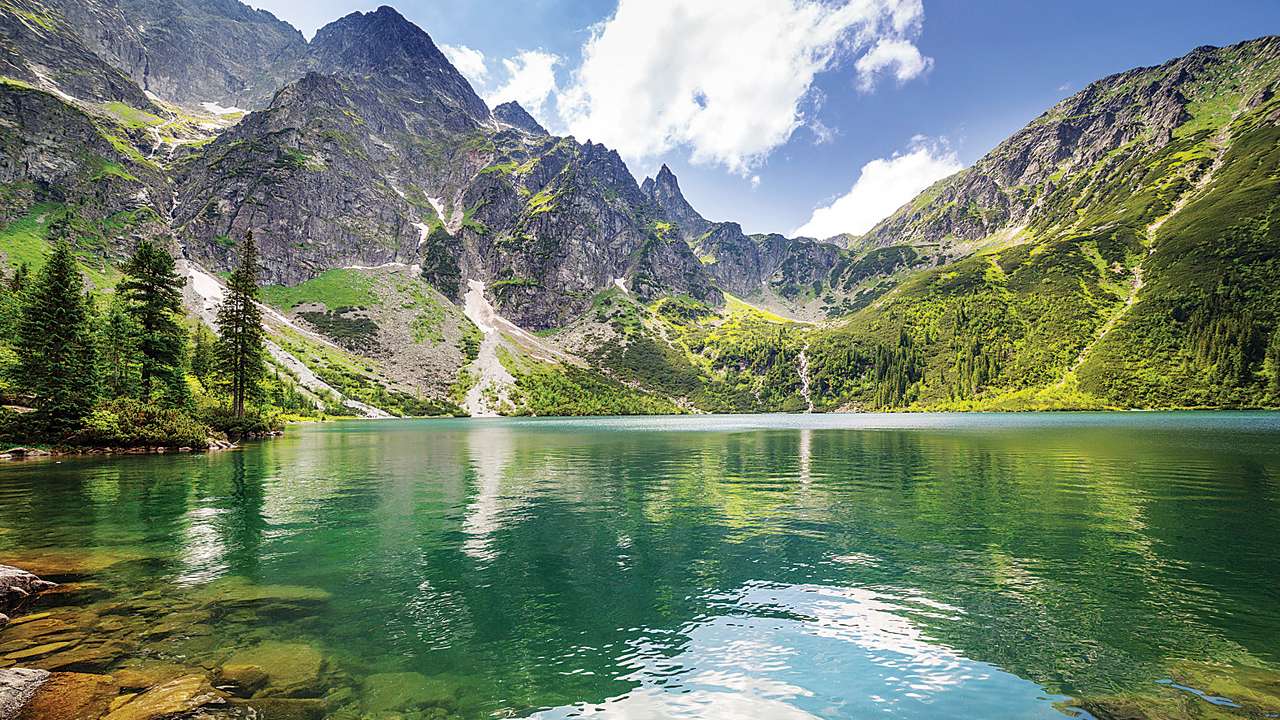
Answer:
(664, 193)
(516, 116)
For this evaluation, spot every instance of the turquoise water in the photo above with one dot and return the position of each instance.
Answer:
(906, 566)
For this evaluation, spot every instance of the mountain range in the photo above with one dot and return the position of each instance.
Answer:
(426, 253)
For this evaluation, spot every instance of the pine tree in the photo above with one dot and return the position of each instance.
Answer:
(55, 345)
(240, 356)
(118, 350)
(21, 276)
(1273, 360)
(10, 309)
(203, 359)
(153, 290)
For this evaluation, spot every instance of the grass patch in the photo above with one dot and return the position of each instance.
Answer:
(338, 288)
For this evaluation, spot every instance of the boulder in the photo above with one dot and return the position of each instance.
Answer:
(17, 686)
(22, 452)
(18, 588)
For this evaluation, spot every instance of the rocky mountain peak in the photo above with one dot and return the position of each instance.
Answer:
(385, 47)
(664, 193)
(516, 116)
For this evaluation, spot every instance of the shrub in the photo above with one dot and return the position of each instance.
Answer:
(125, 422)
(253, 424)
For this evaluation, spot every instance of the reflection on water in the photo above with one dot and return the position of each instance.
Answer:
(776, 566)
(808, 651)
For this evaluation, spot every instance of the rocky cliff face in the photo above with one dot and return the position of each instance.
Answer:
(512, 114)
(190, 51)
(664, 193)
(384, 49)
(39, 46)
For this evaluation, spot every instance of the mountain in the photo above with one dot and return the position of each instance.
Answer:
(424, 253)
(189, 51)
(1121, 244)
(517, 117)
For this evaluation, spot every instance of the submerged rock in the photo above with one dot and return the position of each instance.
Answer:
(65, 565)
(175, 697)
(242, 680)
(17, 686)
(236, 592)
(70, 695)
(283, 708)
(291, 669)
(385, 692)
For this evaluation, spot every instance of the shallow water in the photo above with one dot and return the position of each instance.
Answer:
(909, 566)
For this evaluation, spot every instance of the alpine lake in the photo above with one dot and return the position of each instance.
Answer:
(984, 566)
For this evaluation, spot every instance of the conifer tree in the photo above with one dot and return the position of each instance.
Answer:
(153, 290)
(55, 345)
(10, 308)
(118, 349)
(21, 276)
(1273, 360)
(203, 359)
(240, 344)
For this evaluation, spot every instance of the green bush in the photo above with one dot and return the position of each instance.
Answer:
(125, 422)
(253, 424)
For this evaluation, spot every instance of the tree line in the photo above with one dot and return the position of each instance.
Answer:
(121, 368)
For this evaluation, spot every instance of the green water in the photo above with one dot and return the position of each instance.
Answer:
(909, 566)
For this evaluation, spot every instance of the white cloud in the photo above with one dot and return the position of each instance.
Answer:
(882, 187)
(531, 79)
(469, 61)
(899, 56)
(726, 80)
(755, 181)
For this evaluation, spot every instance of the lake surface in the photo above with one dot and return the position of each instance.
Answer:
(905, 566)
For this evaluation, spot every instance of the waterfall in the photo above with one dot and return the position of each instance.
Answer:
(802, 363)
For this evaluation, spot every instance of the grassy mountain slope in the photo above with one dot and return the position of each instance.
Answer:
(1135, 269)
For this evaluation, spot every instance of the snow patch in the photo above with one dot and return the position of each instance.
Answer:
(437, 205)
(214, 108)
(622, 285)
(423, 231)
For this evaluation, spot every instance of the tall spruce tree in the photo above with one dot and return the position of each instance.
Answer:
(153, 291)
(203, 360)
(55, 345)
(118, 349)
(240, 355)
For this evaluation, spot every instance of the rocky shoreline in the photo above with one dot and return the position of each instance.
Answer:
(214, 445)
(72, 661)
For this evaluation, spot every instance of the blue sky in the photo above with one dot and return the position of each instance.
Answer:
(768, 110)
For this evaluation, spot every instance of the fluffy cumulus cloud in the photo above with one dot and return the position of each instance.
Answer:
(882, 187)
(469, 61)
(530, 81)
(897, 56)
(726, 80)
